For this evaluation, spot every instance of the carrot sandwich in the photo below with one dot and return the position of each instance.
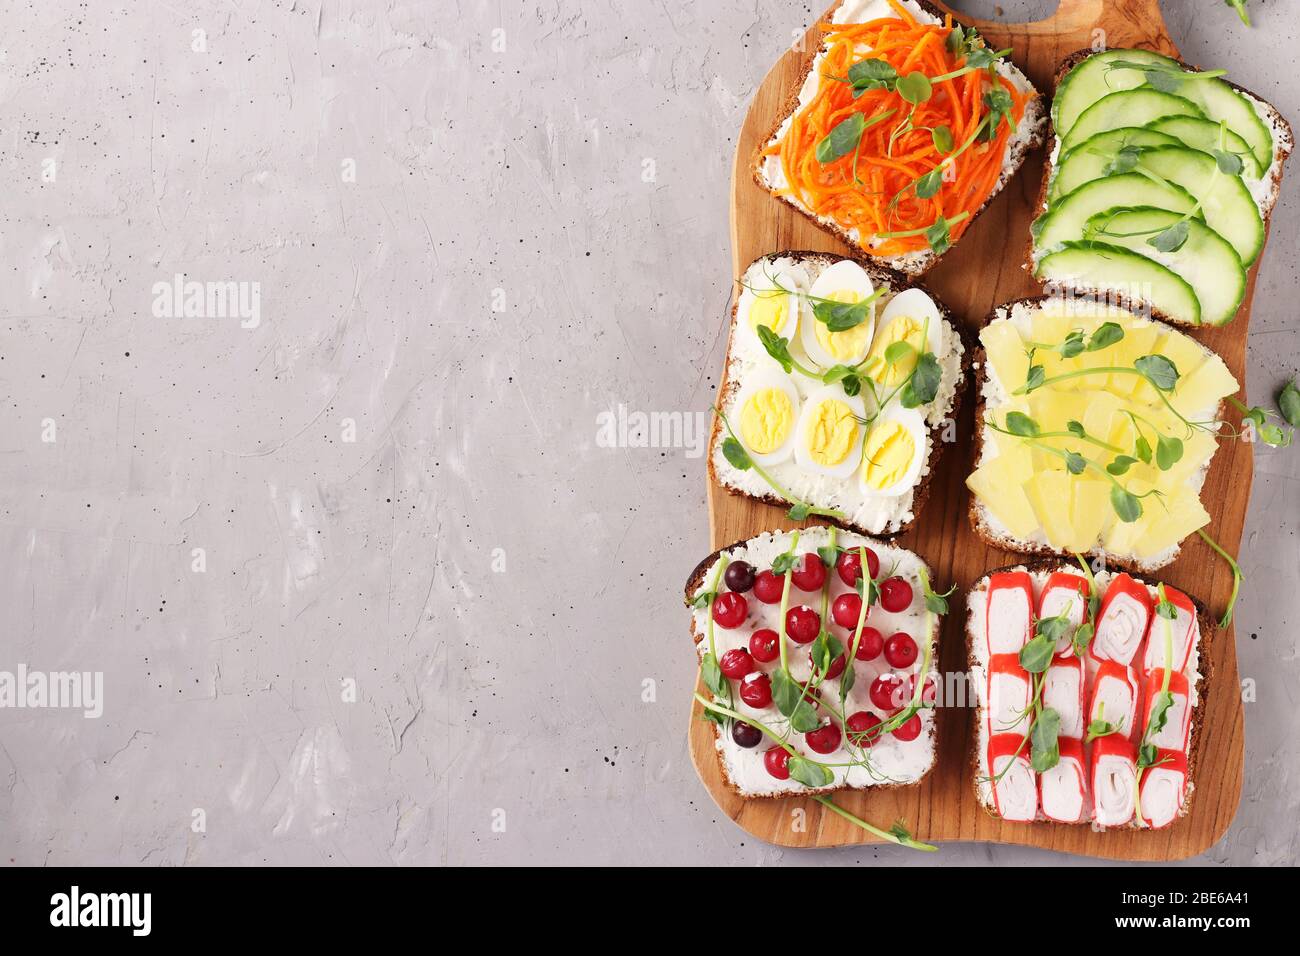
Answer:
(817, 656)
(904, 127)
(841, 386)
(1088, 686)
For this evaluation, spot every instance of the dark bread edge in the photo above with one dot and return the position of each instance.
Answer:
(1209, 634)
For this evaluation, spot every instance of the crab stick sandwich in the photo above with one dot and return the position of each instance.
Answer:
(1087, 710)
(1114, 780)
(1063, 790)
(1126, 612)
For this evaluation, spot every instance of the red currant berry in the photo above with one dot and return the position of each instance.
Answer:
(823, 740)
(756, 690)
(846, 609)
(900, 650)
(730, 609)
(745, 735)
(870, 645)
(736, 663)
(860, 726)
(776, 760)
(809, 573)
(739, 576)
(909, 729)
(803, 624)
(849, 566)
(887, 692)
(895, 595)
(768, 587)
(836, 668)
(765, 645)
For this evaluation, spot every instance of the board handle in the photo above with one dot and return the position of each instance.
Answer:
(1113, 23)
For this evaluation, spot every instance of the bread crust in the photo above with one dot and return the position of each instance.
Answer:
(897, 282)
(976, 510)
(1035, 117)
(1285, 144)
(1209, 633)
(693, 584)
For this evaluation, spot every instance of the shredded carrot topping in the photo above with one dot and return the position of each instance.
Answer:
(873, 188)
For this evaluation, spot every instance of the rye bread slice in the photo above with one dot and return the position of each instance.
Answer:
(1285, 143)
(896, 282)
(694, 582)
(1035, 119)
(1205, 667)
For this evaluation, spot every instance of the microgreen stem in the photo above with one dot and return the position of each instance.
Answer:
(918, 232)
(1236, 576)
(908, 842)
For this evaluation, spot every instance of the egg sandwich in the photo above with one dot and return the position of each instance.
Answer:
(841, 386)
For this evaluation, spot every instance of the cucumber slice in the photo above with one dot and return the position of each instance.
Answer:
(1126, 108)
(1206, 260)
(1099, 267)
(1089, 159)
(1092, 79)
(1069, 216)
(1203, 134)
(1227, 205)
(1221, 103)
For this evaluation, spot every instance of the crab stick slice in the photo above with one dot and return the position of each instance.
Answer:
(1015, 793)
(1126, 610)
(1114, 780)
(1063, 692)
(1063, 790)
(1178, 718)
(1010, 617)
(1164, 788)
(1115, 698)
(1064, 590)
(1174, 637)
(1009, 689)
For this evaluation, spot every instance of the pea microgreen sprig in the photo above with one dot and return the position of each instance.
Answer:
(1165, 77)
(710, 671)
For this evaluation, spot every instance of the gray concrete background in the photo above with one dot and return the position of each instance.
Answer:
(495, 584)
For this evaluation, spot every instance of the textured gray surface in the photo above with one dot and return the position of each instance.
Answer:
(499, 586)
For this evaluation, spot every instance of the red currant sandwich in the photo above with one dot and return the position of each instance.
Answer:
(817, 661)
(1089, 686)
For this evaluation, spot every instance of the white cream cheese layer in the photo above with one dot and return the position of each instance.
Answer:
(746, 356)
(864, 11)
(892, 760)
(976, 624)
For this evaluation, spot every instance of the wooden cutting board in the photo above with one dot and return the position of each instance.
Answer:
(983, 269)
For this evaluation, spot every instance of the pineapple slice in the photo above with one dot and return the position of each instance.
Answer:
(1049, 495)
(1196, 395)
(1005, 499)
(1006, 354)
(1090, 512)
(1165, 523)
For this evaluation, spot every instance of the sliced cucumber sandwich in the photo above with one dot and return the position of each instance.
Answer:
(1159, 185)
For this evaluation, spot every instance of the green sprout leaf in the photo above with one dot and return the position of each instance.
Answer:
(1076, 429)
(1126, 504)
(1037, 375)
(1021, 425)
(1173, 238)
(929, 184)
(842, 316)
(1044, 738)
(1168, 451)
(735, 453)
(841, 140)
(799, 511)
(1107, 334)
(712, 673)
(1159, 371)
(777, 347)
(873, 74)
(1075, 463)
(1121, 465)
(808, 772)
(939, 236)
(923, 385)
(915, 87)
(1036, 655)
(942, 139)
(1229, 163)
(1288, 403)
